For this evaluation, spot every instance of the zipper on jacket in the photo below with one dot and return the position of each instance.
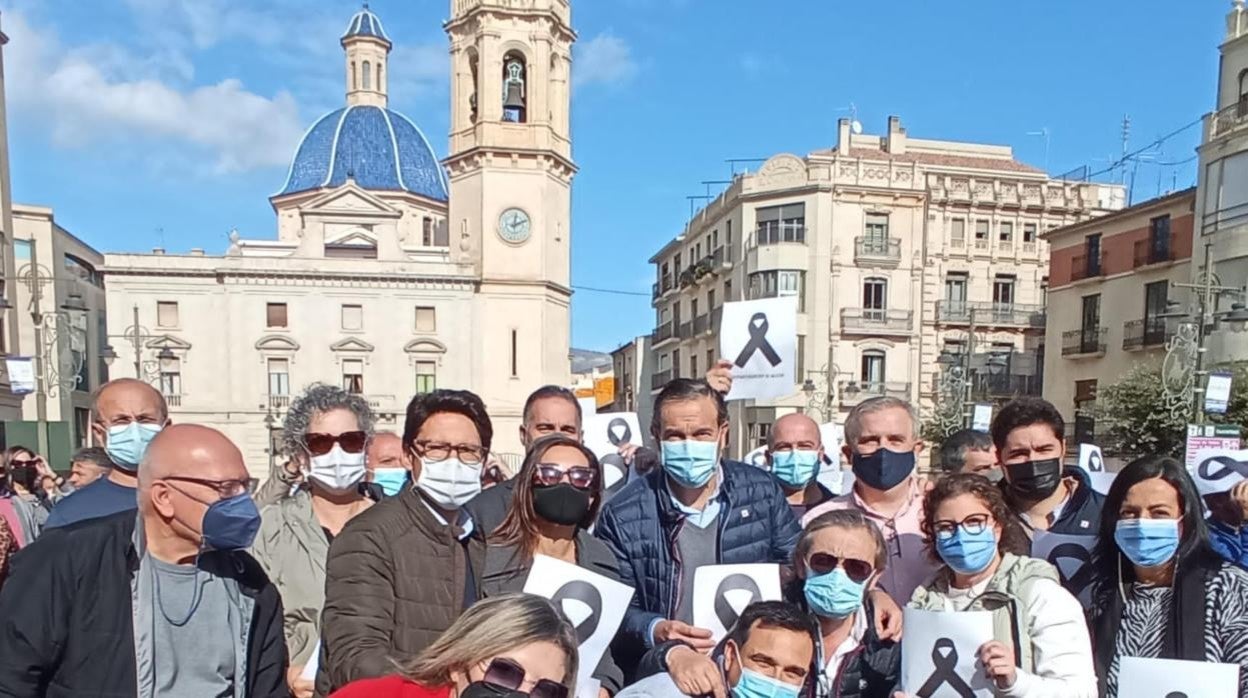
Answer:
(839, 678)
(677, 563)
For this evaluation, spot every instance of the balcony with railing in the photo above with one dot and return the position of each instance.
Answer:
(1085, 267)
(1146, 252)
(877, 251)
(1088, 341)
(662, 333)
(776, 233)
(852, 391)
(1228, 119)
(700, 324)
(685, 330)
(173, 400)
(876, 320)
(279, 402)
(990, 313)
(661, 378)
(1144, 334)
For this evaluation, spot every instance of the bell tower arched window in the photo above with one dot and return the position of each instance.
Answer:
(368, 75)
(515, 97)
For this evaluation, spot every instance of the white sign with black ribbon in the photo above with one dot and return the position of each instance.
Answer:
(593, 603)
(1218, 470)
(722, 592)
(604, 433)
(1093, 462)
(1176, 678)
(1072, 556)
(760, 339)
(940, 653)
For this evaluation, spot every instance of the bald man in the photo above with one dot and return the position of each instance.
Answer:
(165, 603)
(794, 455)
(387, 465)
(127, 415)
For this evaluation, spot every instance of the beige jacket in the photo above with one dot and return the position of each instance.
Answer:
(292, 548)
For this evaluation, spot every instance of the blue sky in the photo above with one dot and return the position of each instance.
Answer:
(168, 122)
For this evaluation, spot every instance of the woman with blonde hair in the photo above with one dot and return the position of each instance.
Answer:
(503, 644)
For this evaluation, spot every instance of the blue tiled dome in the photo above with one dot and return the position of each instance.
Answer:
(380, 149)
(365, 23)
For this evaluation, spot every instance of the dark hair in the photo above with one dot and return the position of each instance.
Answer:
(24, 476)
(1024, 412)
(550, 391)
(774, 614)
(1194, 541)
(848, 519)
(680, 389)
(955, 447)
(94, 455)
(519, 526)
(424, 406)
(1013, 537)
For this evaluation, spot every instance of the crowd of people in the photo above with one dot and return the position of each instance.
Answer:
(379, 564)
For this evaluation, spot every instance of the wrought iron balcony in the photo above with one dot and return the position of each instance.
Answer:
(876, 319)
(1089, 341)
(701, 323)
(685, 331)
(661, 378)
(1085, 267)
(879, 251)
(1141, 334)
(1228, 119)
(1147, 253)
(662, 333)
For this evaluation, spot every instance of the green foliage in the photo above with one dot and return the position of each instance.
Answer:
(1132, 420)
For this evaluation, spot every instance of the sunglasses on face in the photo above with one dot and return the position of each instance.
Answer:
(508, 675)
(23, 463)
(320, 444)
(857, 570)
(578, 476)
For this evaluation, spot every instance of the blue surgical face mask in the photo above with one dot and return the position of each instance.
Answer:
(884, 469)
(795, 468)
(127, 443)
(834, 594)
(968, 553)
(231, 523)
(1148, 542)
(392, 480)
(690, 463)
(754, 685)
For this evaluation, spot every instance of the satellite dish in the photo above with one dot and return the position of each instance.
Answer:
(855, 126)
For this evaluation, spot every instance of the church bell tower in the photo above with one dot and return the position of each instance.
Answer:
(510, 170)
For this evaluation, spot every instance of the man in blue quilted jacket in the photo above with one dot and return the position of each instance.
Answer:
(697, 509)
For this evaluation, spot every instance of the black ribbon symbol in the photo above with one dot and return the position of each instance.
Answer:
(758, 342)
(1176, 694)
(1095, 463)
(1083, 575)
(734, 582)
(626, 434)
(587, 594)
(944, 673)
(1229, 466)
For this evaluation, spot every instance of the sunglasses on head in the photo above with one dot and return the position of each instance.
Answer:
(320, 444)
(857, 570)
(508, 675)
(578, 476)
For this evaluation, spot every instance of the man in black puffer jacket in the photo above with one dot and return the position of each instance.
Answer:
(696, 510)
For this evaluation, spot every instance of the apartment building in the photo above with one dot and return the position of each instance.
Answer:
(898, 249)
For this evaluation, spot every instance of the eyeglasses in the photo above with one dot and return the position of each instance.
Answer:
(857, 570)
(320, 444)
(508, 675)
(440, 450)
(23, 463)
(578, 476)
(225, 488)
(973, 524)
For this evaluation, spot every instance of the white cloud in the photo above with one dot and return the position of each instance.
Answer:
(104, 92)
(605, 59)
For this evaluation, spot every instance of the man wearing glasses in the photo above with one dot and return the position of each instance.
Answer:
(167, 603)
(399, 574)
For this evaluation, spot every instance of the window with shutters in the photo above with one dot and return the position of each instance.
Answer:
(353, 376)
(426, 376)
(275, 315)
(166, 313)
(279, 377)
(171, 376)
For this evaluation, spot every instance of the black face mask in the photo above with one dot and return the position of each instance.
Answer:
(561, 504)
(884, 469)
(1034, 480)
(481, 689)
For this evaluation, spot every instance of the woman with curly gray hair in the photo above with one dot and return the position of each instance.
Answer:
(327, 431)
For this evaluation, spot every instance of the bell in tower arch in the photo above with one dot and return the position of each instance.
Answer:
(514, 107)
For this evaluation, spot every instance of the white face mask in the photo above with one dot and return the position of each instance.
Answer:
(449, 483)
(337, 470)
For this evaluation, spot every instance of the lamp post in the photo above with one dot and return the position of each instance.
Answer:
(1184, 365)
(822, 393)
(53, 371)
(136, 334)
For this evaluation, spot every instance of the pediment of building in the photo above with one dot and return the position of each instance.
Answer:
(351, 344)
